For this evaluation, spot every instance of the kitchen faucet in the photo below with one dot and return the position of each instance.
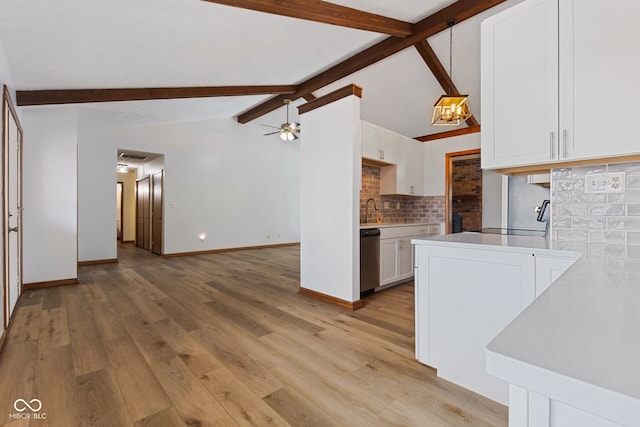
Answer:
(366, 210)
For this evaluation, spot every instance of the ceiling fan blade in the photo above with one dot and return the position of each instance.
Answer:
(269, 126)
(272, 133)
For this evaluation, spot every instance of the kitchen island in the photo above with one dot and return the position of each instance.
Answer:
(570, 357)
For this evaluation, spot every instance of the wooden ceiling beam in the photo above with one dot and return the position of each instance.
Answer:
(449, 134)
(327, 13)
(433, 24)
(440, 73)
(79, 96)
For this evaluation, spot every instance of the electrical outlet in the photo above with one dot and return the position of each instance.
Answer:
(398, 205)
(611, 182)
(386, 205)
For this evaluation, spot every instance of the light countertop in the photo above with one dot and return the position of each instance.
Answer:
(403, 224)
(578, 342)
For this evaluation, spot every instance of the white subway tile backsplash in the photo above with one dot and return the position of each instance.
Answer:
(561, 221)
(633, 182)
(572, 235)
(623, 223)
(628, 196)
(579, 197)
(597, 218)
(581, 171)
(633, 237)
(631, 167)
(603, 236)
(583, 223)
(607, 210)
(633, 209)
(570, 210)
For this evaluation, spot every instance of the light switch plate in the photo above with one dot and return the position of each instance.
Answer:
(606, 182)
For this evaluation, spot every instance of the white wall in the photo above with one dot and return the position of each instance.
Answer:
(5, 79)
(330, 174)
(435, 152)
(222, 179)
(49, 195)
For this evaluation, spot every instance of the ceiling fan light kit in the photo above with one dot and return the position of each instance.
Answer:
(450, 109)
(288, 131)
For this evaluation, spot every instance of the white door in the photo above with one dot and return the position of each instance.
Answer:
(12, 215)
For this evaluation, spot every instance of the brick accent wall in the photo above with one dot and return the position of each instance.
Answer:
(401, 209)
(466, 178)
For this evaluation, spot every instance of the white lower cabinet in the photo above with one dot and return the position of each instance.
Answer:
(465, 296)
(548, 269)
(396, 251)
(388, 261)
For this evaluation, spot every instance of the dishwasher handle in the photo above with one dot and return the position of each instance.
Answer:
(369, 232)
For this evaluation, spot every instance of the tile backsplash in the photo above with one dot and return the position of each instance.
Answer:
(595, 217)
(402, 209)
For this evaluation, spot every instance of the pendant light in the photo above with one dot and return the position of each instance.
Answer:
(451, 109)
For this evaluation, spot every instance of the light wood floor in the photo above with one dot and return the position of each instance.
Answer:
(221, 339)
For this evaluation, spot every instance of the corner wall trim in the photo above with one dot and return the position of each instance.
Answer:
(353, 306)
(334, 96)
(98, 261)
(3, 339)
(242, 248)
(50, 284)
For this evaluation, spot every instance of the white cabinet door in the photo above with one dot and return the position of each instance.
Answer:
(405, 258)
(599, 68)
(548, 269)
(406, 177)
(519, 83)
(378, 144)
(388, 261)
(464, 298)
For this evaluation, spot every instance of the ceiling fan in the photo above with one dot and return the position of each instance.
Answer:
(288, 131)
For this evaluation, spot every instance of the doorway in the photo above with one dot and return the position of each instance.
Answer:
(463, 193)
(12, 203)
(143, 224)
(156, 213)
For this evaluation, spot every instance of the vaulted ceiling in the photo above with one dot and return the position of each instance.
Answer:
(219, 50)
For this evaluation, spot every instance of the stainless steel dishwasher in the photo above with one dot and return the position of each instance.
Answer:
(369, 260)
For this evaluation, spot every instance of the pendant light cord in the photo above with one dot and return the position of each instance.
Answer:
(451, 23)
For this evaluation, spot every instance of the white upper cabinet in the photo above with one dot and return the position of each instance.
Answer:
(599, 68)
(407, 176)
(519, 80)
(558, 83)
(378, 144)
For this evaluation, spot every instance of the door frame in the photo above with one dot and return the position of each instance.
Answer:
(9, 109)
(121, 183)
(448, 183)
(158, 175)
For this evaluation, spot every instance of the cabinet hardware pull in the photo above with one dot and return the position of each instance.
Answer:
(552, 138)
(564, 143)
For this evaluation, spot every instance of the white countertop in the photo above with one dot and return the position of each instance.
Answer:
(403, 224)
(579, 341)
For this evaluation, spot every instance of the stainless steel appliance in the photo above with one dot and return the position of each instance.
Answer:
(369, 260)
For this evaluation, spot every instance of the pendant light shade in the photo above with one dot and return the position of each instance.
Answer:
(450, 109)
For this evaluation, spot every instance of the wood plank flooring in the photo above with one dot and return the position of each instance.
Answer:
(221, 340)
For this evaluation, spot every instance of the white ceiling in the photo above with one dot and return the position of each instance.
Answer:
(70, 44)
